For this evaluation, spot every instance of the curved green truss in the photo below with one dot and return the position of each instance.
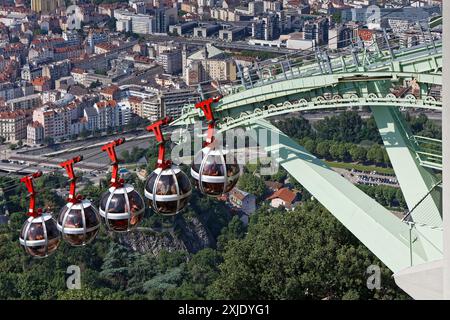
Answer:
(345, 84)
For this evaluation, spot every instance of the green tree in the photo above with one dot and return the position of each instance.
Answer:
(323, 149)
(84, 294)
(252, 184)
(370, 131)
(375, 154)
(301, 254)
(234, 230)
(346, 126)
(358, 153)
(310, 145)
(115, 265)
(296, 127)
(202, 270)
(338, 151)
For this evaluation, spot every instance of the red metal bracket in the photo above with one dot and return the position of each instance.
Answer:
(206, 107)
(156, 128)
(28, 180)
(110, 148)
(68, 165)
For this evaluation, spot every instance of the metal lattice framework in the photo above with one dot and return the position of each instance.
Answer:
(361, 78)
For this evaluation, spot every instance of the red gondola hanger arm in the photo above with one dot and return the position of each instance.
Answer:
(206, 107)
(28, 180)
(156, 129)
(110, 148)
(68, 165)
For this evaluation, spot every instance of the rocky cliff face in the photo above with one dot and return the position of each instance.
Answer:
(189, 234)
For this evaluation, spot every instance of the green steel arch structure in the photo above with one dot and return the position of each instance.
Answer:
(362, 77)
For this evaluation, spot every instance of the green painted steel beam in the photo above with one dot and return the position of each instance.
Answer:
(415, 181)
(376, 227)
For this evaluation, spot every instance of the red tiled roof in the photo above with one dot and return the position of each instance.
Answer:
(103, 104)
(284, 194)
(110, 90)
(67, 49)
(78, 70)
(39, 81)
(134, 99)
(11, 114)
(365, 35)
(106, 46)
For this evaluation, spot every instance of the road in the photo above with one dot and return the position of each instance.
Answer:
(148, 75)
(239, 45)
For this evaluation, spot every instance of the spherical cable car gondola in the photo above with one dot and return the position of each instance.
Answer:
(167, 188)
(214, 169)
(121, 206)
(39, 235)
(78, 220)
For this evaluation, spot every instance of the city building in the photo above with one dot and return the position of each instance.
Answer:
(283, 198)
(111, 92)
(95, 37)
(296, 40)
(56, 70)
(69, 52)
(173, 101)
(54, 120)
(182, 28)
(45, 6)
(168, 103)
(29, 73)
(79, 75)
(27, 102)
(317, 30)
(35, 133)
(206, 31)
(104, 47)
(340, 37)
(209, 63)
(266, 27)
(107, 114)
(13, 126)
(71, 37)
(171, 61)
(233, 34)
(142, 24)
(136, 106)
(164, 17)
(151, 109)
(242, 200)
(41, 84)
(10, 90)
(138, 5)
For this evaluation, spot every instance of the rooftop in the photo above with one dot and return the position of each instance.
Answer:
(284, 194)
(110, 90)
(107, 103)
(239, 194)
(40, 81)
(212, 52)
